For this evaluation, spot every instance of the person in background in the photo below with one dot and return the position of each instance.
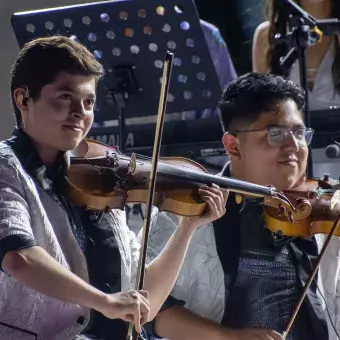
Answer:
(239, 280)
(322, 59)
(223, 65)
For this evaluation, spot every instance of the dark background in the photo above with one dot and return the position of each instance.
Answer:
(236, 20)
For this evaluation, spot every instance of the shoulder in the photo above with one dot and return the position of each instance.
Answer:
(14, 179)
(6, 152)
(262, 30)
(211, 31)
(260, 47)
(261, 33)
(208, 26)
(9, 162)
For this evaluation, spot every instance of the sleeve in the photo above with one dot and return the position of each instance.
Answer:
(15, 225)
(221, 59)
(219, 54)
(223, 62)
(162, 227)
(200, 285)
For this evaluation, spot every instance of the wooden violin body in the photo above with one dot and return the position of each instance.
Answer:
(102, 178)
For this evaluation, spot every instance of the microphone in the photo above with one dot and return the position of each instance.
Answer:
(333, 151)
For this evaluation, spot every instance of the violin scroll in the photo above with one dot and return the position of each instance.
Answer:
(315, 205)
(286, 210)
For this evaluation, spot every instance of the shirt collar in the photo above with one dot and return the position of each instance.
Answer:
(28, 156)
(226, 170)
(249, 201)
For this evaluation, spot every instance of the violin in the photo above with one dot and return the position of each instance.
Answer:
(317, 205)
(101, 178)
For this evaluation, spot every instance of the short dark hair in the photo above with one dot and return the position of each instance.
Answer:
(41, 60)
(245, 98)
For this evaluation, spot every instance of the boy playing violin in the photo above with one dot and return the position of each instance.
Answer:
(239, 281)
(60, 262)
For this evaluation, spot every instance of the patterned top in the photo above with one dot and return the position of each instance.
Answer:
(201, 280)
(30, 216)
(267, 288)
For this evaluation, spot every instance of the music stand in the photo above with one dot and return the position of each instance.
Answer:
(130, 39)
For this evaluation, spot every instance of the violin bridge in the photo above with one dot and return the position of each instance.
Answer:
(133, 164)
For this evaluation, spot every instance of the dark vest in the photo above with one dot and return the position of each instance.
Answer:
(228, 243)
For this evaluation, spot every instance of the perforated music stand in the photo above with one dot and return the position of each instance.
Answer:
(130, 39)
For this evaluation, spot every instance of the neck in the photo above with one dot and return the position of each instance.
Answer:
(237, 173)
(319, 10)
(47, 154)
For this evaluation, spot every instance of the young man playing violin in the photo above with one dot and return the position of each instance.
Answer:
(239, 281)
(60, 262)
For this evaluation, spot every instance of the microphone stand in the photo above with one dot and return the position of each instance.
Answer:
(305, 31)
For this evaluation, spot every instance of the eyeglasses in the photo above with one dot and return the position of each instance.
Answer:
(277, 135)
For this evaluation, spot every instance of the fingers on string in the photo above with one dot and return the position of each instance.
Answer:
(212, 199)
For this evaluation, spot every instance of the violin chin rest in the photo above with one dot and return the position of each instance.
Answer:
(80, 151)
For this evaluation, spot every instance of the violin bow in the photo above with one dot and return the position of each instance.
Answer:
(168, 61)
(312, 276)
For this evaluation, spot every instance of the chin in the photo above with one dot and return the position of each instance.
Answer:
(288, 182)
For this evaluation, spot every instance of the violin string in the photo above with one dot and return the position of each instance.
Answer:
(188, 173)
(165, 165)
(174, 166)
(172, 169)
(199, 176)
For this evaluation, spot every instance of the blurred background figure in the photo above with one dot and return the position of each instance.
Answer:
(222, 61)
(322, 59)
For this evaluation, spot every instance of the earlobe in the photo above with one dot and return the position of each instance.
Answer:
(231, 144)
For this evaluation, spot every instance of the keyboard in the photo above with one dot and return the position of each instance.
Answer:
(202, 138)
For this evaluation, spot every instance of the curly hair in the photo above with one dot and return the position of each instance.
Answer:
(244, 99)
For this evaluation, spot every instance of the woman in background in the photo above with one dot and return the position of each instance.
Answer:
(322, 59)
